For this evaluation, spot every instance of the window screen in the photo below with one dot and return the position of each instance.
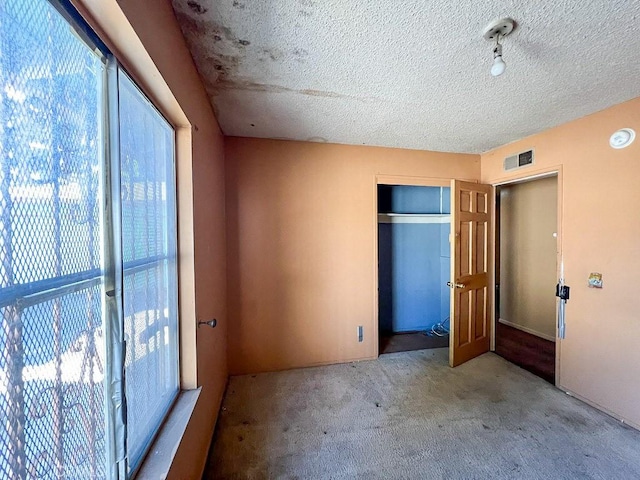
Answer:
(63, 147)
(51, 295)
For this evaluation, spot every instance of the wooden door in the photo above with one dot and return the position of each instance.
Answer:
(471, 211)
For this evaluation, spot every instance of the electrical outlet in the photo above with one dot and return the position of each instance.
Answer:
(360, 333)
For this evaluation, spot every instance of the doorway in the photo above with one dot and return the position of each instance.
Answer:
(414, 223)
(526, 274)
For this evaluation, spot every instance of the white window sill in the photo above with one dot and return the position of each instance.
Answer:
(158, 461)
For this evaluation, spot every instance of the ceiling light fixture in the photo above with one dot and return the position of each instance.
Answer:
(495, 31)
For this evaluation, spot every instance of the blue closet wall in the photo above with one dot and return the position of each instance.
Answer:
(413, 260)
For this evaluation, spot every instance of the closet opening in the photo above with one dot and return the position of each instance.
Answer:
(526, 274)
(414, 266)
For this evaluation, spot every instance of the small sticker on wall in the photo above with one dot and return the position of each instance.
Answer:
(595, 280)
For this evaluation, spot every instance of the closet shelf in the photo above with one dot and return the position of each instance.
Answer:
(414, 218)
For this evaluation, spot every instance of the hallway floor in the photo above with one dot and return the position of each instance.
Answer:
(408, 415)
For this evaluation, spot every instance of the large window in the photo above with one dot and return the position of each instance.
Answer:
(149, 254)
(88, 278)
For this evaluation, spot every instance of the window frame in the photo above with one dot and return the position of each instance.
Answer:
(120, 70)
(107, 21)
(114, 332)
(115, 268)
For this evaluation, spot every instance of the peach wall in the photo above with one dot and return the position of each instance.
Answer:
(301, 227)
(528, 258)
(600, 225)
(156, 26)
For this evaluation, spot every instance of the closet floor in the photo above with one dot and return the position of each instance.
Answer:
(405, 342)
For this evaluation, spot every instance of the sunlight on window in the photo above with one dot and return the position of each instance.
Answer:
(57, 400)
(51, 343)
(149, 254)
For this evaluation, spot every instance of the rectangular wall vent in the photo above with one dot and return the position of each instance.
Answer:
(519, 160)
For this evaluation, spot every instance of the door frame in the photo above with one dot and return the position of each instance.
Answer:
(402, 180)
(523, 177)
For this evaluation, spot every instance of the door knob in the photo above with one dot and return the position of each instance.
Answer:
(456, 285)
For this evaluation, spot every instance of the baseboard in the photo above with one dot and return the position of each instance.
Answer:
(527, 330)
(597, 406)
(282, 368)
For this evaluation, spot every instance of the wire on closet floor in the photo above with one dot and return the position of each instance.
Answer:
(439, 329)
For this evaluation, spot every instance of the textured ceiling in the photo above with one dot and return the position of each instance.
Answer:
(412, 73)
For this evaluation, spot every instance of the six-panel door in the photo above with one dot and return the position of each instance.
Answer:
(471, 208)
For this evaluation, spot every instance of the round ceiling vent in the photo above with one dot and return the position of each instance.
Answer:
(622, 138)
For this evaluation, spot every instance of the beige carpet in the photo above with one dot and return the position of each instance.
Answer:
(408, 415)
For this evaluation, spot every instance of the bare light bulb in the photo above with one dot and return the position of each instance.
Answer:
(498, 66)
(494, 32)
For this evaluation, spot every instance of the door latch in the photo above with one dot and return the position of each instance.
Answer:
(562, 291)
